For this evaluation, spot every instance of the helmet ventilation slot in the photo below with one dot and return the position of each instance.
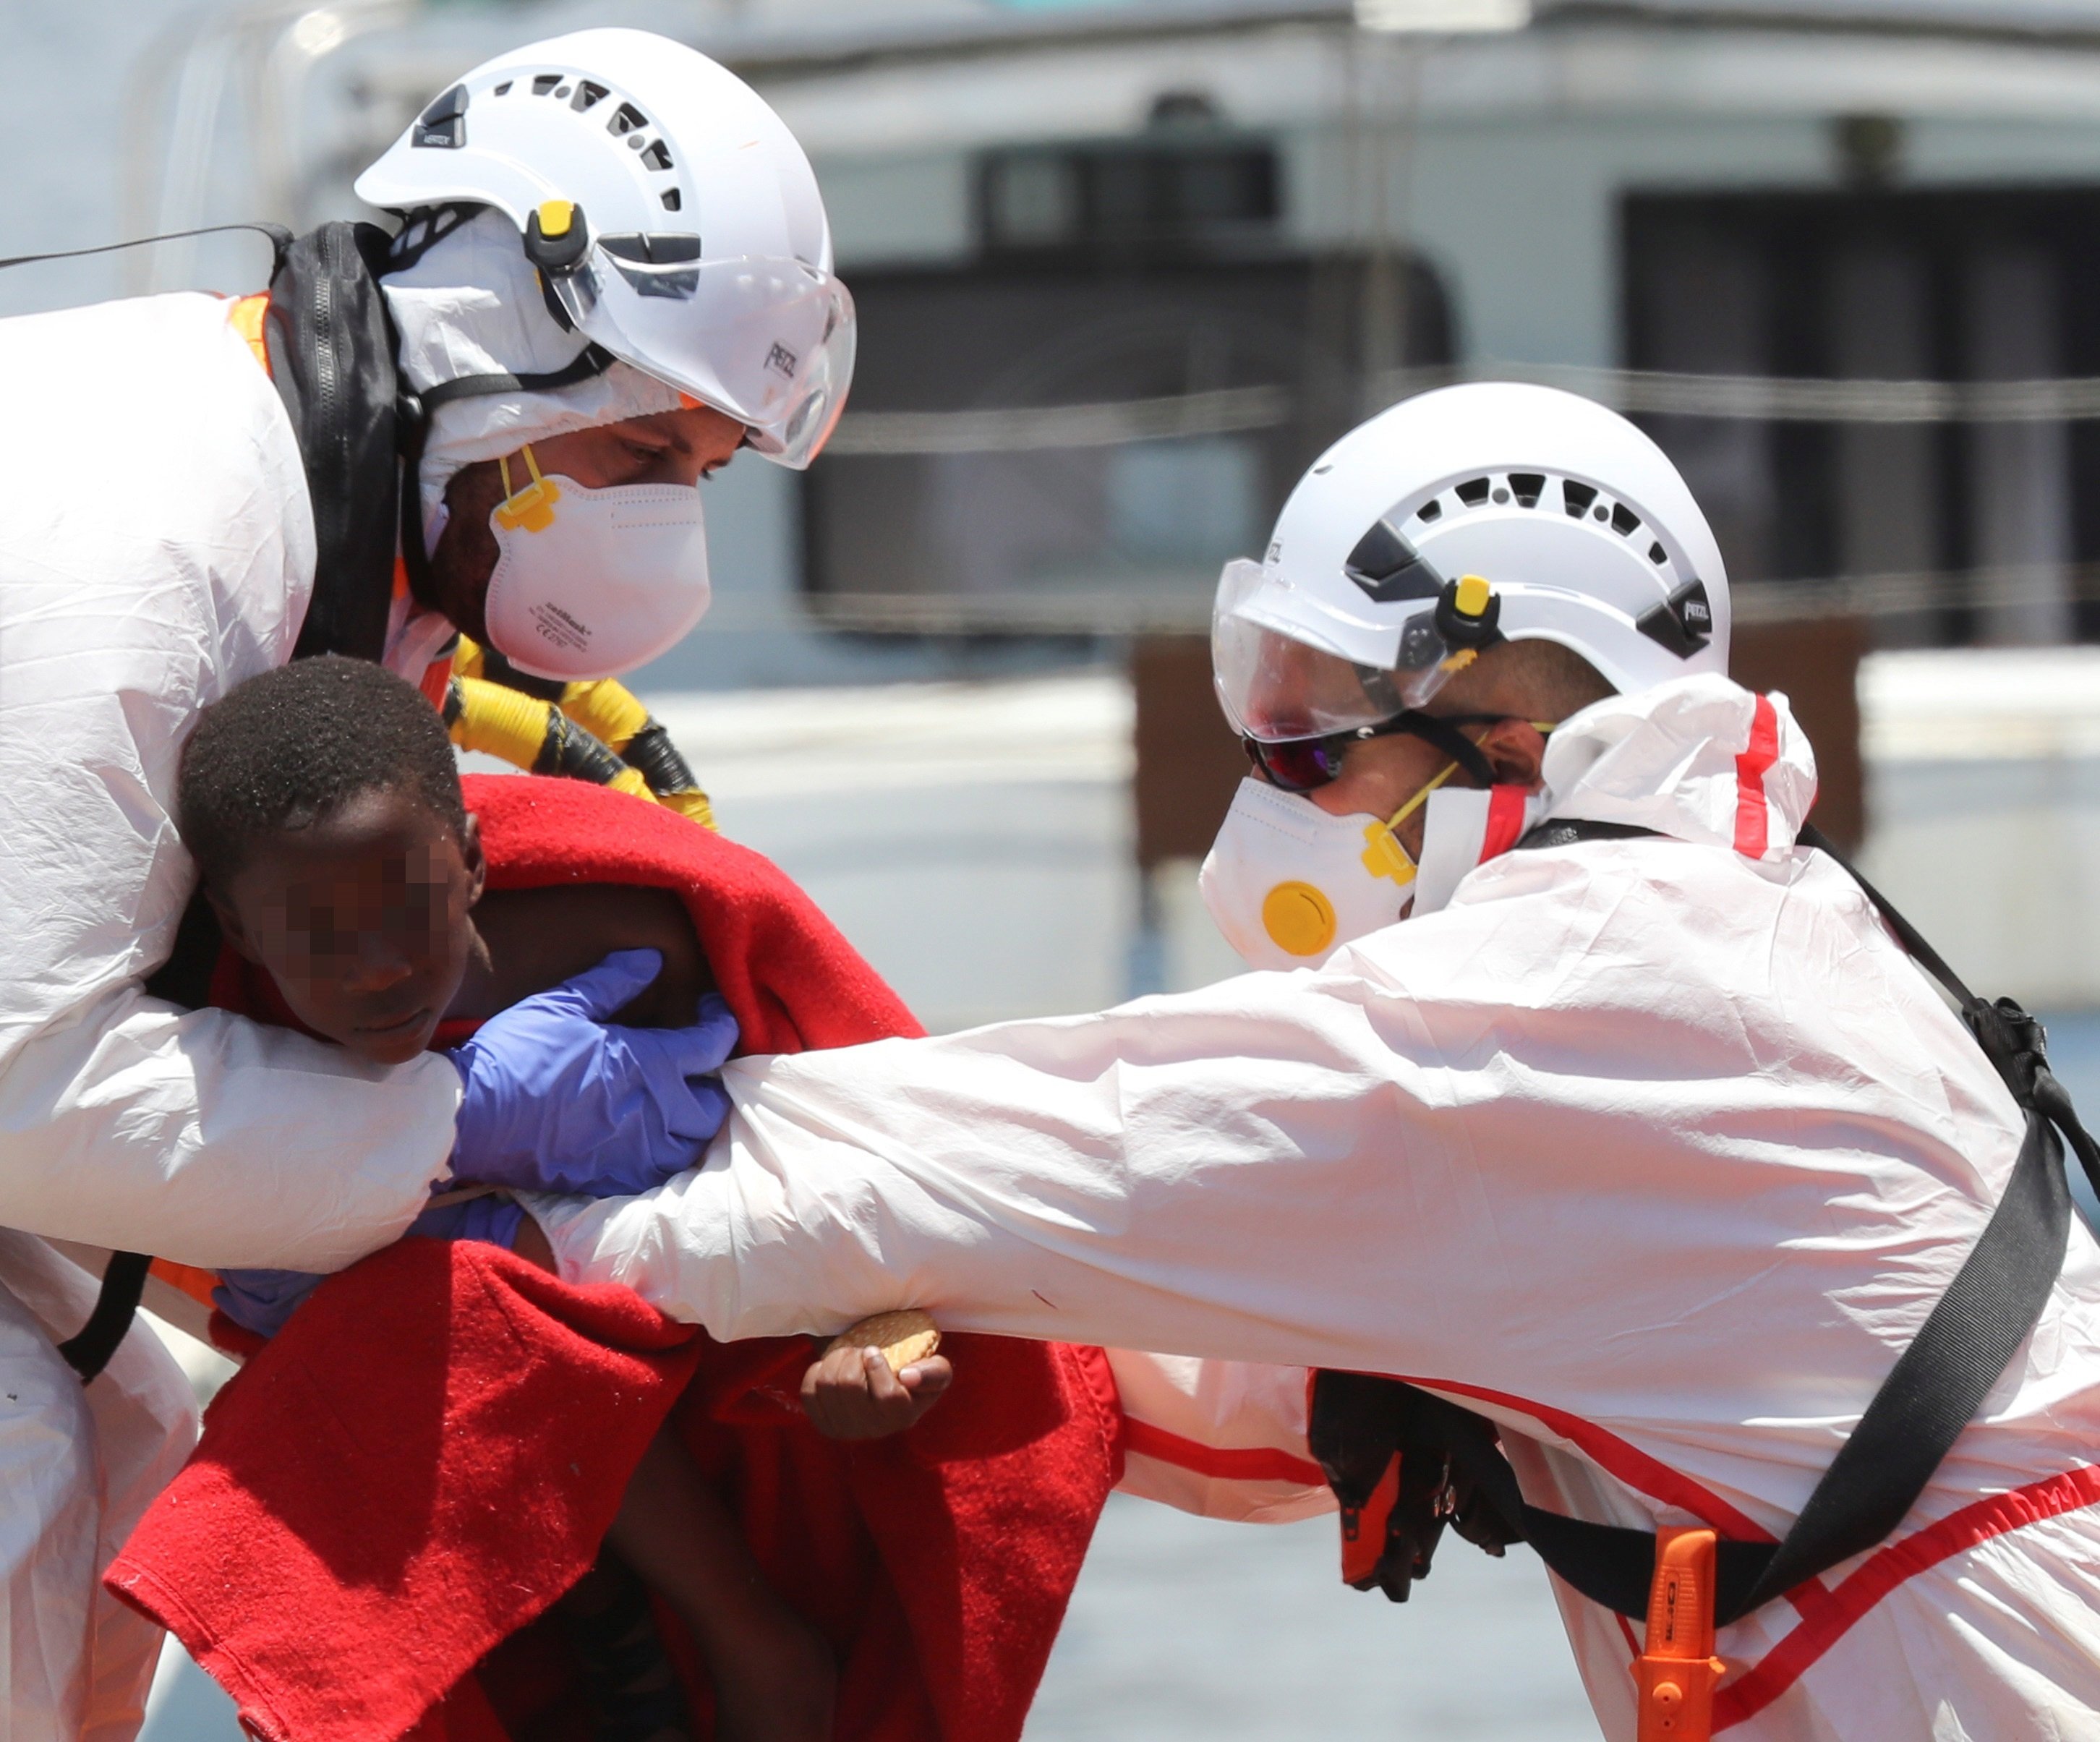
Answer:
(663, 248)
(625, 119)
(544, 82)
(671, 200)
(1625, 521)
(1432, 510)
(1576, 498)
(1473, 492)
(640, 258)
(587, 94)
(502, 90)
(1380, 553)
(656, 157)
(1384, 565)
(1529, 486)
(443, 125)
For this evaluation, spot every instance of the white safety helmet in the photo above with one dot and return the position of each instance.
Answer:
(669, 211)
(1495, 511)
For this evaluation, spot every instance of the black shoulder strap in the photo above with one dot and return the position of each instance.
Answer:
(1567, 831)
(332, 355)
(1938, 1384)
(88, 1351)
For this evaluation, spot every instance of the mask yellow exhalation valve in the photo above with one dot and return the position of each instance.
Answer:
(1297, 918)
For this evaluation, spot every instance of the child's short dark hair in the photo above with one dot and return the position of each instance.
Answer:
(295, 745)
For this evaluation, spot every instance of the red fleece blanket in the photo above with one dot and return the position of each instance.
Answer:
(431, 1450)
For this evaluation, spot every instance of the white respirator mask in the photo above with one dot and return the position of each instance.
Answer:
(1288, 883)
(593, 583)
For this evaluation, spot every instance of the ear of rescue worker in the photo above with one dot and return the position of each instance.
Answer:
(678, 449)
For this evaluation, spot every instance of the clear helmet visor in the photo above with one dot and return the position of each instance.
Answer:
(1276, 682)
(767, 341)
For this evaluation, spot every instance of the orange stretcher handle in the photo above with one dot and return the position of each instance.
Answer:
(1677, 1669)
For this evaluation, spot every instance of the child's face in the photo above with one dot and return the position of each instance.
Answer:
(362, 919)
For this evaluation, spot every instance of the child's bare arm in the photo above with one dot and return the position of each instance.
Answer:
(852, 1394)
(532, 1245)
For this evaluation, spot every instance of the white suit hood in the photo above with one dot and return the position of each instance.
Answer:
(471, 305)
(1700, 759)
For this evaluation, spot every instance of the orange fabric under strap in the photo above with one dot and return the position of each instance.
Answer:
(245, 318)
(1676, 1670)
(196, 1284)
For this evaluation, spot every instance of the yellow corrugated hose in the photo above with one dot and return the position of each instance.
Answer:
(595, 730)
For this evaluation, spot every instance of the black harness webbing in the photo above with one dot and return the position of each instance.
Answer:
(88, 1351)
(1935, 1388)
(333, 348)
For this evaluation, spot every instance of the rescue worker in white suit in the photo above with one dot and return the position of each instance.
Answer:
(196, 488)
(1645, 1141)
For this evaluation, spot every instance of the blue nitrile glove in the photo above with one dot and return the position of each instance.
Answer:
(262, 1300)
(557, 1100)
(490, 1217)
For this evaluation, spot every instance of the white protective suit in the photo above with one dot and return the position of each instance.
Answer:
(1655, 1152)
(156, 548)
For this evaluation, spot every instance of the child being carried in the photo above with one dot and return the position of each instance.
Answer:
(323, 807)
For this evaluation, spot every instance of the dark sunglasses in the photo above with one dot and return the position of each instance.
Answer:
(1300, 765)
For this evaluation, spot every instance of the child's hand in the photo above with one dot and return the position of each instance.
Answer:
(852, 1394)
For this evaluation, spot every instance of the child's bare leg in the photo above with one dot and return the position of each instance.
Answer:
(774, 1679)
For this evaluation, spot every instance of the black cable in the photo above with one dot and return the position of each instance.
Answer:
(280, 241)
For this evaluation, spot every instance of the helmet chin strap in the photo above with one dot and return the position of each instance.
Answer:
(1447, 737)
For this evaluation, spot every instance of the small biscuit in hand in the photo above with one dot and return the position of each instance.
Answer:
(903, 1337)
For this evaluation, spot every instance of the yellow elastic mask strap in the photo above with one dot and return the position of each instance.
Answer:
(1383, 855)
(531, 508)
